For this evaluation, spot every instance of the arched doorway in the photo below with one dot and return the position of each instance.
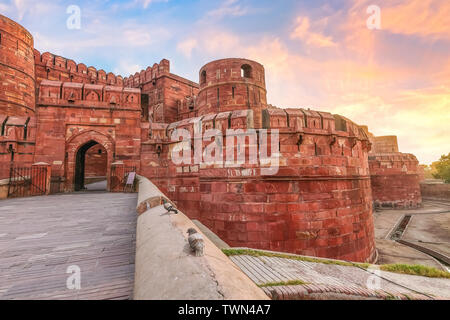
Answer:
(80, 150)
(91, 166)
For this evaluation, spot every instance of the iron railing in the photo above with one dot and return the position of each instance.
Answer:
(27, 181)
(119, 179)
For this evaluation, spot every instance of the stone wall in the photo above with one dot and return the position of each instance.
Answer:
(17, 142)
(395, 176)
(96, 162)
(74, 115)
(165, 92)
(439, 191)
(318, 202)
(384, 144)
(395, 180)
(17, 94)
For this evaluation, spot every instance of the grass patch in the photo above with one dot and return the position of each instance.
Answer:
(257, 253)
(416, 270)
(282, 283)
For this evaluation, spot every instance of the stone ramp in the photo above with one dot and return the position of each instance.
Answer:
(330, 281)
(40, 237)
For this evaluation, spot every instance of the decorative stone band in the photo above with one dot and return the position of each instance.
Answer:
(79, 94)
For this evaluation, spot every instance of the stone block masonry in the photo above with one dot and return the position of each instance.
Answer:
(317, 202)
(395, 176)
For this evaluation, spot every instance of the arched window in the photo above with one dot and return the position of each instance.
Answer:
(246, 71)
(203, 77)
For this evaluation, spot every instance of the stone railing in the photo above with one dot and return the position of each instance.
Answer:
(165, 266)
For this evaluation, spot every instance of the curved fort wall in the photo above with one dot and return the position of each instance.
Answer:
(317, 203)
(395, 176)
(17, 96)
(395, 180)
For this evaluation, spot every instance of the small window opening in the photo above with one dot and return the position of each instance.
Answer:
(11, 150)
(246, 71)
(25, 129)
(203, 77)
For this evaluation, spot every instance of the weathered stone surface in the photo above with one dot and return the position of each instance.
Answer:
(318, 202)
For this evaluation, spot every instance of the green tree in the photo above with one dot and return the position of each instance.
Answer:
(442, 168)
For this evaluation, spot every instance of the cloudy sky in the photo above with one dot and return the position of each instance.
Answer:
(317, 54)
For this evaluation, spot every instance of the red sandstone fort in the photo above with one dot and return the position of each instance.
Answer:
(80, 122)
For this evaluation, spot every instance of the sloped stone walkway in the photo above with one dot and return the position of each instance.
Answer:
(331, 281)
(40, 237)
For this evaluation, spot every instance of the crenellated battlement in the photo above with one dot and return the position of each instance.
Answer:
(395, 180)
(91, 95)
(147, 75)
(393, 163)
(285, 120)
(57, 68)
(394, 175)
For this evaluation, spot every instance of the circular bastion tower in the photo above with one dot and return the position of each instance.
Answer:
(232, 84)
(17, 94)
(317, 201)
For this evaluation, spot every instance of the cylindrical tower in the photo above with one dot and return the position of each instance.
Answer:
(17, 94)
(232, 84)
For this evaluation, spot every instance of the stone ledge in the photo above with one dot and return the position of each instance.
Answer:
(165, 267)
(334, 292)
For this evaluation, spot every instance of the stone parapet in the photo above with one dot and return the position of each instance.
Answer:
(166, 268)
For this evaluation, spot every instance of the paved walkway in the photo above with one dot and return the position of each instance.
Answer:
(40, 237)
(97, 186)
(429, 227)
